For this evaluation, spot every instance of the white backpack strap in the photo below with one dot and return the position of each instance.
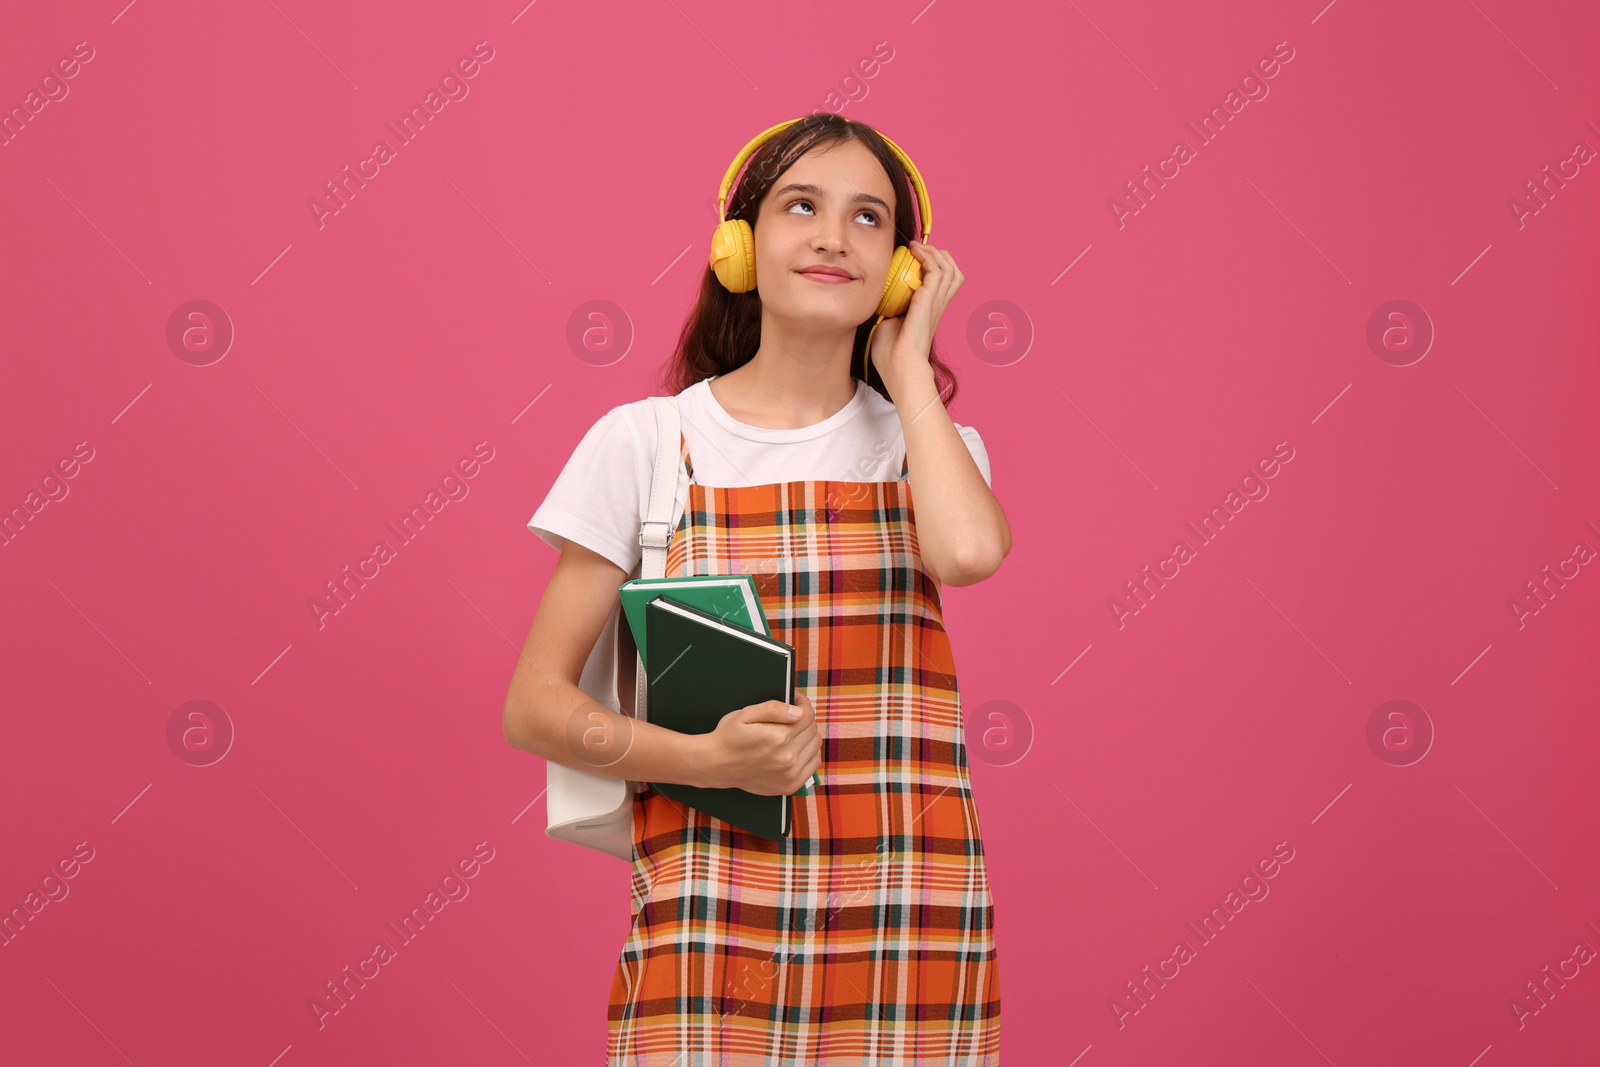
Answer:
(655, 530)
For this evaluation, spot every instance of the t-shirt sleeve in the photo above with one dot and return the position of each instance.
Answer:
(595, 499)
(980, 454)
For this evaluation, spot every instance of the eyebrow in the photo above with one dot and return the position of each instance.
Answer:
(816, 191)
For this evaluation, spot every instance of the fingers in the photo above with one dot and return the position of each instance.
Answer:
(806, 764)
(804, 738)
(773, 711)
(938, 262)
(789, 741)
(813, 758)
(799, 737)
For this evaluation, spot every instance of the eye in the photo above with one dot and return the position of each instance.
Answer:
(868, 212)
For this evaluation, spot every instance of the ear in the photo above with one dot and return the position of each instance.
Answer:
(905, 278)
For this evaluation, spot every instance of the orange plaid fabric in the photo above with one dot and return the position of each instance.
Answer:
(865, 937)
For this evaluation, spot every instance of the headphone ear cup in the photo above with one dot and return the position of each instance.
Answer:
(905, 278)
(733, 255)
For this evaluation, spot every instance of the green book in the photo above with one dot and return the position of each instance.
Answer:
(727, 596)
(704, 668)
(731, 597)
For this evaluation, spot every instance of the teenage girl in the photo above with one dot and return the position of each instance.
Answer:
(866, 937)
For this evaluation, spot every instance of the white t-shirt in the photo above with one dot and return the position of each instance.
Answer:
(602, 493)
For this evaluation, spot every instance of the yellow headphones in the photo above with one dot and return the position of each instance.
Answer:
(733, 248)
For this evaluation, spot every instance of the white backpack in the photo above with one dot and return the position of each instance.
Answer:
(590, 809)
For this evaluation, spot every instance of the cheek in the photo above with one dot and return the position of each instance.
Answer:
(877, 259)
(774, 250)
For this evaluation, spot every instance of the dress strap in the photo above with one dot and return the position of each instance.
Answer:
(683, 452)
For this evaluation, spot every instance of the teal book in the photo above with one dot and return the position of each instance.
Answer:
(731, 597)
(704, 667)
(727, 596)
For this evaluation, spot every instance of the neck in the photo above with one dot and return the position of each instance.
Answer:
(793, 380)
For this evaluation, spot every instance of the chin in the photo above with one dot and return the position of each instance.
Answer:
(828, 319)
(828, 304)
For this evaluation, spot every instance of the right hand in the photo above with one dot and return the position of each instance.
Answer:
(765, 748)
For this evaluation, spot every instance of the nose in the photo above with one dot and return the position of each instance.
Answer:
(829, 233)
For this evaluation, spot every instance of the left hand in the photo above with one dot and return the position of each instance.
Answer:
(904, 342)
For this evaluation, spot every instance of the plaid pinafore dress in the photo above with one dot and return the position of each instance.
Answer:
(866, 937)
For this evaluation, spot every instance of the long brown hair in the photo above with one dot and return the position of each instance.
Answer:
(723, 329)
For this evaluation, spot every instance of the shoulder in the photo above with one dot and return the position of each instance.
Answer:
(625, 430)
(882, 410)
(632, 421)
(635, 422)
(598, 496)
(611, 460)
(885, 418)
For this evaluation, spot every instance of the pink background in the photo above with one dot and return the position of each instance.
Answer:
(1144, 767)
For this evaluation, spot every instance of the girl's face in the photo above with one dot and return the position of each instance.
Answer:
(834, 207)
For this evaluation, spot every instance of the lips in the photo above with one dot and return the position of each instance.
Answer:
(831, 274)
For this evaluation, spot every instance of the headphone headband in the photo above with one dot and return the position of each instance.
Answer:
(925, 211)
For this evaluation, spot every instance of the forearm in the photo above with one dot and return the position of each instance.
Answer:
(561, 723)
(961, 529)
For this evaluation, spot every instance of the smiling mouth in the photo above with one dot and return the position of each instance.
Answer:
(824, 276)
